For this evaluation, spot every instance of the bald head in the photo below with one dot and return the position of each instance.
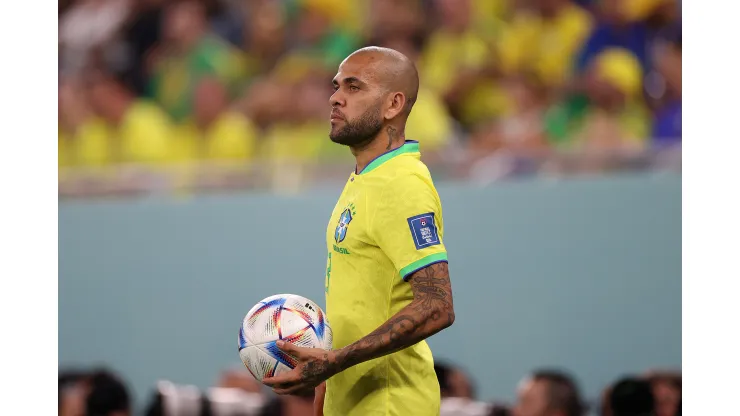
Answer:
(374, 90)
(394, 71)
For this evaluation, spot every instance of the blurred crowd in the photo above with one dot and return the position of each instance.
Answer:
(165, 84)
(544, 392)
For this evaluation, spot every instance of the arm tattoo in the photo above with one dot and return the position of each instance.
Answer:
(430, 312)
(314, 369)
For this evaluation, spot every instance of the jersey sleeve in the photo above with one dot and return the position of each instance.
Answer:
(407, 225)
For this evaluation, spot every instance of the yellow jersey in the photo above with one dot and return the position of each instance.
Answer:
(545, 47)
(386, 225)
(231, 138)
(142, 137)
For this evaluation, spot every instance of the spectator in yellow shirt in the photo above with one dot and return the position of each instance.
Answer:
(83, 139)
(84, 144)
(488, 16)
(454, 64)
(520, 133)
(301, 135)
(545, 41)
(214, 133)
(138, 132)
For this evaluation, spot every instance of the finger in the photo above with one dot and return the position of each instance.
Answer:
(297, 390)
(278, 382)
(289, 348)
(290, 378)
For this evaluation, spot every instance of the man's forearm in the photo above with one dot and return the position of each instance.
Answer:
(430, 312)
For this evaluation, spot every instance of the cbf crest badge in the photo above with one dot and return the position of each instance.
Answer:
(347, 215)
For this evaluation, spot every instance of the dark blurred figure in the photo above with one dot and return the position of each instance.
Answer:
(108, 395)
(604, 406)
(156, 406)
(631, 397)
(549, 393)
(499, 410)
(395, 19)
(289, 406)
(666, 388)
(453, 382)
(265, 34)
(169, 399)
(140, 33)
(72, 392)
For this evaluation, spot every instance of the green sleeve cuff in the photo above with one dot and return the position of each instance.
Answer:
(420, 264)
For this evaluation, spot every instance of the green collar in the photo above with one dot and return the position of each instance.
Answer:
(411, 146)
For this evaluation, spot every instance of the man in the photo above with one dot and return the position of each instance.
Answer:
(453, 382)
(108, 395)
(72, 393)
(137, 131)
(666, 388)
(632, 397)
(387, 282)
(549, 393)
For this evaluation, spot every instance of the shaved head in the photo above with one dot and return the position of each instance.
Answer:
(375, 88)
(393, 70)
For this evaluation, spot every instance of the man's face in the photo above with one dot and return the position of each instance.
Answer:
(98, 94)
(532, 400)
(614, 12)
(460, 385)
(181, 19)
(356, 116)
(666, 399)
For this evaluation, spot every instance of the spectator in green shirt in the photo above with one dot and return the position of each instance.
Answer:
(188, 54)
(317, 32)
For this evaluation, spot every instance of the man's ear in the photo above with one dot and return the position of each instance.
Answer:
(395, 105)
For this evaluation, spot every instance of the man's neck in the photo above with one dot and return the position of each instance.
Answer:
(390, 138)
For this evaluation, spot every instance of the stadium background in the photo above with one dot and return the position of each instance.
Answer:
(195, 175)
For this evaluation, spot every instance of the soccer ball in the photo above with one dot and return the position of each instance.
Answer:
(290, 318)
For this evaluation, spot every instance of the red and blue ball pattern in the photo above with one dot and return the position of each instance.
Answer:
(290, 318)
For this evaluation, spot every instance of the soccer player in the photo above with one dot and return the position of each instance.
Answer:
(387, 282)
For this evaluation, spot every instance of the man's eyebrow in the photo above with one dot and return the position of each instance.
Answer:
(348, 80)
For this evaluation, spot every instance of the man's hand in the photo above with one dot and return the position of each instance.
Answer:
(430, 312)
(314, 367)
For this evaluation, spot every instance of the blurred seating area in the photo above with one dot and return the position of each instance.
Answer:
(543, 392)
(196, 95)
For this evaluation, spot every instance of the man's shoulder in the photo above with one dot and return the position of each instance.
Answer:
(399, 183)
(404, 169)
